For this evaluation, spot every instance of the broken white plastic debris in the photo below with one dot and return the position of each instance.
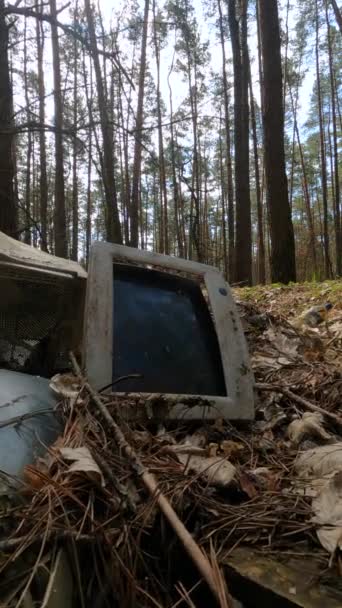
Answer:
(311, 424)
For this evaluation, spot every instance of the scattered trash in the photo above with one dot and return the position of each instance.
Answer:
(311, 424)
(229, 486)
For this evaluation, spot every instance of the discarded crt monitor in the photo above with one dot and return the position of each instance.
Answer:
(165, 331)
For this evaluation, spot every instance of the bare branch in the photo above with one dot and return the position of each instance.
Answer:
(28, 12)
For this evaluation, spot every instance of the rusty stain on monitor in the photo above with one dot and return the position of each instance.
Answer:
(99, 340)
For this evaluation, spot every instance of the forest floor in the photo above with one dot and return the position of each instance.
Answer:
(270, 487)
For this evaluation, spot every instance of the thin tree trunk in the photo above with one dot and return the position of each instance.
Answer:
(243, 243)
(61, 245)
(312, 236)
(338, 234)
(223, 213)
(138, 135)
(8, 208)
(261, 244)
(43, 181)
(113, 227)
(75, 223)
(27, 221)
(283, 263)
(322, 152)
(230, 187)
(162, 178)
(175, 185)
(89, 201)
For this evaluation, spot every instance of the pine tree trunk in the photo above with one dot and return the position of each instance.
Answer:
(230, 187)
(338, 233)
(283, 263)
(138, 134)
(113, 227)
(43, 182)
(162, 178)
(89, 202)
(260, 223)
(312, 237)
(243, 239)
(223, 214)
(175, 184)
(327, 264)
(27, 218)
(8, 208)
(75, 223)
(61, 245)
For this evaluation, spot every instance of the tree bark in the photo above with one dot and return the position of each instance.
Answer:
(260, 223)
(230, 187)
(164, 240)
(283, 263)
(43, 182)
(75, 223)
(8, 208)
(327, 264)
(338, 234)
(112, 221)
(243, 242)
(135, 200)
(61, 246)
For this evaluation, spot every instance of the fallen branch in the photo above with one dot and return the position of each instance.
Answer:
(304, 402)
(191, 547)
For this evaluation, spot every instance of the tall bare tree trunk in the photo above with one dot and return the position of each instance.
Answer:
(164, 240)
(260, 223)
(283, 263)
(75, 223)
(243, 244)
(338, 233)
(8, 208)
(113, 227)
(230, 187)
(327, 264)
(175, 185)
(312, 237)
(61, 245)
(43, 182)
(27, 219)
(138, 134)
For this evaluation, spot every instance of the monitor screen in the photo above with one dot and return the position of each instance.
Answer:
(163, 331)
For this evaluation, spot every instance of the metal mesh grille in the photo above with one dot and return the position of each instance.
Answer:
(32, 304)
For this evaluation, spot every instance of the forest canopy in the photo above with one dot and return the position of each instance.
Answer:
(209, 130)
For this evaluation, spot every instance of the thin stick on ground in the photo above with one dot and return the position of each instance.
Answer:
(195, 553)
(303, 402)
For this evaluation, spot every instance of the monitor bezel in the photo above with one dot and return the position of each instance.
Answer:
(98, 334)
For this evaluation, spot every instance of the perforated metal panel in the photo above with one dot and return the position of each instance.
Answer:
(36, 313)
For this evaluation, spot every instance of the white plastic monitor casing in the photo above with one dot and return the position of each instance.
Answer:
(98, 335)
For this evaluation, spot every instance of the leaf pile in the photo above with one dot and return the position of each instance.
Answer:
(230, 484)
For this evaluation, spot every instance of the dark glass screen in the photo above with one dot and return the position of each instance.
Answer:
(163, 330)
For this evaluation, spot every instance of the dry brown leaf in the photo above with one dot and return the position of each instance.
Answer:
(320, 461)
(231, 448)
(310, 424)
(34, 477)
(327, 507)
(82, 462)
(247, 485)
